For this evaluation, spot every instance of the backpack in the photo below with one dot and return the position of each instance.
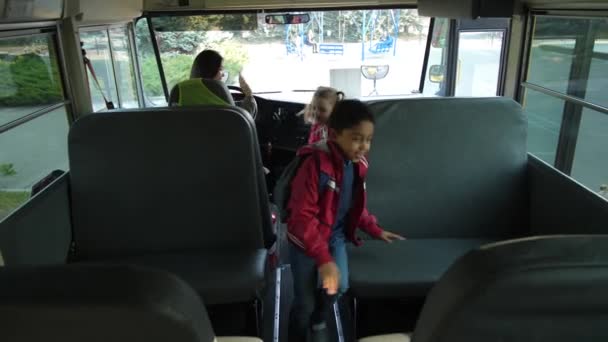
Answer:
(282, 188)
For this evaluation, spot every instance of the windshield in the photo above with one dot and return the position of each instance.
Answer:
(361, 52)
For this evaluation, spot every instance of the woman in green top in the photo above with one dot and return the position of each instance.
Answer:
(205, 86)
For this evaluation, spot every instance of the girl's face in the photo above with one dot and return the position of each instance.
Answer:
(322, 108)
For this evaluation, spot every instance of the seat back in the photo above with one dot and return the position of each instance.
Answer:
(39, 232)
(98, 303)
(449, 167)
(164, 180)
(546, 289)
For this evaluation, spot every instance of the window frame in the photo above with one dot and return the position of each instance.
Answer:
(149, 15)
(52, 30)
(573, 107)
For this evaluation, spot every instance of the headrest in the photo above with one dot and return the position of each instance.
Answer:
(99, 303)
(539, 289)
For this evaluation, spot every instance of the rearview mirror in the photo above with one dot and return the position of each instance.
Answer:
(436, 73)
(285, 19)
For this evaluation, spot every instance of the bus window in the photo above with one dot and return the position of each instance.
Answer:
(148, 67)
(343, 49)
(97, 47)
(33, 120)
(123, 63)
(591, 156)
(544, 124)
(109, 51)
(565, 97)
(479, 57)
(434, 81)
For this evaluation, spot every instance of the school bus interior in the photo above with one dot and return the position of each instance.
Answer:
(123, 218)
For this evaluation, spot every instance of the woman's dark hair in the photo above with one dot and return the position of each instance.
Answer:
(348, 114)
(206, 64)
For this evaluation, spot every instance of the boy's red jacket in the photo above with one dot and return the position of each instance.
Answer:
(312, 213)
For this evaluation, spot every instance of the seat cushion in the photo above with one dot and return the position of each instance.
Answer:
(404, 268)
(220, 277)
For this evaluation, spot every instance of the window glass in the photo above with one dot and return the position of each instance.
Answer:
(560, 53)
(361, 52)
(123, 63)
(544, 124)
(591, 156)
(570, 55)
(149, 71)
(28, 153)
(30, 76)
(551, 54)
(97, 47)
(31, 82)
(478, 63)
(434, 82)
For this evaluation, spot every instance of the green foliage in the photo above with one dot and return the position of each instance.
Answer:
(150, 76)
(142, 39)
(10, 200)
(7, 169)
(180, 42)
(212, 22)
(177, 68)
(34, 80)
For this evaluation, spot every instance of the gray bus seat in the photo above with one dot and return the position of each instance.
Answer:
(173, 188)
(449, 174)
(95, 303)
(541, 289)
(220, 89)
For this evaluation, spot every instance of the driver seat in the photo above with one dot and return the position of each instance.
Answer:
(219, 88)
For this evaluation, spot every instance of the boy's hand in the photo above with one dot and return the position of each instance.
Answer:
(390, 237)
(244, 86)
(330, 276)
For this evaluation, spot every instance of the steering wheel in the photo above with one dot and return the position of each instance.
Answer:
(240, 96)
(231, 87)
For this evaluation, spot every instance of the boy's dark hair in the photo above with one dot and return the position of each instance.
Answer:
(349, 113)
(206, 64)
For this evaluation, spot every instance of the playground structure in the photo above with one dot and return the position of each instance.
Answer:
(300, 31)
(381, 26)
(386, 41)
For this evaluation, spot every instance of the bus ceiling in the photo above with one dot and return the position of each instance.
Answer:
(432, 8)
(91, 12)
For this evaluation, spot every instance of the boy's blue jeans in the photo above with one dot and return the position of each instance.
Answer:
(311, 305)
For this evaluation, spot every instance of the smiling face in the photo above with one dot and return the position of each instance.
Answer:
(355, 141)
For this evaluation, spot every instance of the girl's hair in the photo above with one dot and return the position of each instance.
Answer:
(321, 93)
(349, 113)
(206, 64)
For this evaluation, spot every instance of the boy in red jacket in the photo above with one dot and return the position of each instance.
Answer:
(326, 206)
